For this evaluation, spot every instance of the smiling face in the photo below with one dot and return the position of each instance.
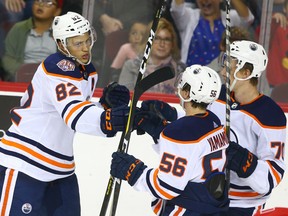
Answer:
(209, 7)
(162, 46)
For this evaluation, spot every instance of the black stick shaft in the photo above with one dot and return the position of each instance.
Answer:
(227, 125)
(125, 138)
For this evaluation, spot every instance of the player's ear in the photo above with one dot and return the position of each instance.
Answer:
(246, 73)
(61, 47)
(186, 94)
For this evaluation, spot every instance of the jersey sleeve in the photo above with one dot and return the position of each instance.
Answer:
(270, 150)
(78, 113)
(70, 93)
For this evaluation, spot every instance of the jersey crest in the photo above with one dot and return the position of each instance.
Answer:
(66, 65)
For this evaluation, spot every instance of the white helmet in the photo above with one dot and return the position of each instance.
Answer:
(250, 52)
(204, 82)
(70, 25)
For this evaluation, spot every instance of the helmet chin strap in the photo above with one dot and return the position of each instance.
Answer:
(182, 104)
(237, 79)
(182, 100)
(233, 84)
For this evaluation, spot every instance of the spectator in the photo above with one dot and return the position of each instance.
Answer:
(11, 12)
(131, 50)
(201, 28)
(23, 8)
(112, 16)
(256, 7)
(236, 33)
(164, 52)
(277, 69)
(30, 41)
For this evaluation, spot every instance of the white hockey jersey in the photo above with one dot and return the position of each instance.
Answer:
(190, 149)
(54, 106)
(259, 126)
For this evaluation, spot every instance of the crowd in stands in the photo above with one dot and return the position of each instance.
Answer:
(195, 28)
(164, 52)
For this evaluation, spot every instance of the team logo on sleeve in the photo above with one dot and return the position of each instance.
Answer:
(26, 208)
(234, 105)
(66, 65)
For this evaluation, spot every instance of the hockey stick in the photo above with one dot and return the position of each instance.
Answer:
(125, 138)
(227, 125)
(152, 79)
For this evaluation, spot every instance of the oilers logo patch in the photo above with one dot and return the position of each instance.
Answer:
(26, 208)
(66, 65)
(234, 105)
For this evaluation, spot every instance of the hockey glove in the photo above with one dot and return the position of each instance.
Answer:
(151, 123)
(240, 160)
(114, 120)
(126, 167)
(161, 108)
(114, 95)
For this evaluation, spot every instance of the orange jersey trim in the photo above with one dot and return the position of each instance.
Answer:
(192, 141)
(7, 190)
(252, 116)
(264, 126)
(158, 207)
(63, 76)
(75, 109)
(275, 173)
(157, 186)
(37, 155)
(178, 211)
(243, 194)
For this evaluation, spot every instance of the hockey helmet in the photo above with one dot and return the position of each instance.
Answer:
(250, 52)
(70, 25)
(204, 82)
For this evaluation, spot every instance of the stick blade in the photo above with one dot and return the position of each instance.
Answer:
(158, 76)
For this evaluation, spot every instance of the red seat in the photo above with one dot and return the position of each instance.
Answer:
(113, 42)
(280, 93)
(26, 72)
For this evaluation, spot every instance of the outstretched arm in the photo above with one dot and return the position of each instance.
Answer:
(14, 5)
(241, 8)
(178, 2)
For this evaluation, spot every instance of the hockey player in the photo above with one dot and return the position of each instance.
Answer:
(257, 131)
(37, 169)
(192, 153)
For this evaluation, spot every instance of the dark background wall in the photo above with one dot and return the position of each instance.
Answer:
(6, 104)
